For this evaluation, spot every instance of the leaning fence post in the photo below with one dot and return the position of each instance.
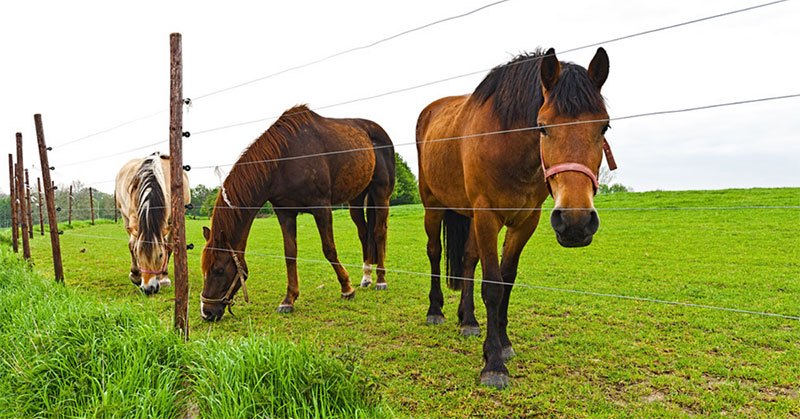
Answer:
(180, 268)
(49, 190)
(41, 218)
(23, 212)
(30, 207)
(13, 194)
(69, 216)
(91, 204)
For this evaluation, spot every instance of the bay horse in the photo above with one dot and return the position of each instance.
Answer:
(304, 163)
(142, 194)
(546, 121)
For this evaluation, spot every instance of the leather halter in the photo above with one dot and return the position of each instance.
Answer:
(241, 276)
(575, 167)
(162, 270)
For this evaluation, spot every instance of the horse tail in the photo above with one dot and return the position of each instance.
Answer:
(372, 244)
(456, 233)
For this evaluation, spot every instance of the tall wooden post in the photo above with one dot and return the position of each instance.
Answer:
(49, 190)
(23, 210)
(91, 203)
(28, 200)
(41, 218)
(12, 180)
(180, 268)
(115, 207)
(69, 213)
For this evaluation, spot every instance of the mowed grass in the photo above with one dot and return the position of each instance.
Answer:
(578, 354)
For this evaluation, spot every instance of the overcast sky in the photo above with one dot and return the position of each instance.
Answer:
(89, 66)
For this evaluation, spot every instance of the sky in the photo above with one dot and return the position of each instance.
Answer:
(88, 66)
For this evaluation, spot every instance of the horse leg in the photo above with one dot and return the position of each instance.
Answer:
(466, 307)
(516, 238)
(357, 215)
(381, 214)
(165, 281)
(487, 227)
(324, 220)
(288, 222)
(135, 275)
(433, 229)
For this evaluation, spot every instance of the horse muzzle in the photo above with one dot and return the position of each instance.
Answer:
(574, 227)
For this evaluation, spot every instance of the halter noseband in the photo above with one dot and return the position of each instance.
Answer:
(576, 167)
(241, 275)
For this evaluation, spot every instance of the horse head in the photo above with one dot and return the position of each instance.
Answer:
(573, 122)
(152, 254)
(224, 272)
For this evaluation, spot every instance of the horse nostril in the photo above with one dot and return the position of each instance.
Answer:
(593, 224)
(557, 221)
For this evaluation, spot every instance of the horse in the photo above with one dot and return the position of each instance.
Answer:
(533, 127)
(304, 163)
(142, 194)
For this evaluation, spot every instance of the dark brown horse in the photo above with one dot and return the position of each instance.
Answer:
(476, 185)
(302, 163)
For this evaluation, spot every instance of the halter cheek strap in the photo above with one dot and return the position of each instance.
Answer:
(576, 167)
(241, 276)
(162, 270)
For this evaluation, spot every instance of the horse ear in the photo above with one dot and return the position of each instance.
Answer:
(206, 233)
(550, 69)
(598, 68)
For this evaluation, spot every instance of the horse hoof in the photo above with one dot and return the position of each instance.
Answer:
(382, 286)
(435, 319)
(470, 331)
(285, 308)
(507, 353)
(497, 380)
(366, 283)
(349, 295)
(164, 282)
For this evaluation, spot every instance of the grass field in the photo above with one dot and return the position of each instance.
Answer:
(578, 354)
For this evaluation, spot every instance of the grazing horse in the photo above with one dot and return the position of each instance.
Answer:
(143, 198)
(544, 123)
(304, 163)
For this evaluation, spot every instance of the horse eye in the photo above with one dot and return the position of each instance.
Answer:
(605, 128)
(218, 271)
(543, 129)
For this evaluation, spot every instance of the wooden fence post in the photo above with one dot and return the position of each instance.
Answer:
(91, 203)
(13, 193)
(180, 268)
(49, 190)
(69, 213)
(41, 218)
(115, 207)
(23, 211)
(28, 200)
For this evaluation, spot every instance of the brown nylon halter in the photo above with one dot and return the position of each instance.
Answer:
(241, 275)
(576, 167)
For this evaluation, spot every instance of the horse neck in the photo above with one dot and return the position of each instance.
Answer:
(245, 190)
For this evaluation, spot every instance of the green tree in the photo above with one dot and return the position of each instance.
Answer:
(406, 190)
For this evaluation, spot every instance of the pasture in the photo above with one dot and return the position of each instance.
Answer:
(581, 350)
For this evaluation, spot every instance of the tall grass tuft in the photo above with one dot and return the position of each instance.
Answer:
(258, 377)
(63, 355)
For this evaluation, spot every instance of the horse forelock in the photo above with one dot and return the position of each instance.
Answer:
(516, 90)
(149, 188)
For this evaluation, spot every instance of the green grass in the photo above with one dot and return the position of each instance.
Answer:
(578, 354)
(63, 354)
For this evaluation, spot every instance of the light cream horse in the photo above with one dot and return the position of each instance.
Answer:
(143, 198)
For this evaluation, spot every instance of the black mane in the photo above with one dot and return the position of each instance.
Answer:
(516, 88)
(151, 204)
